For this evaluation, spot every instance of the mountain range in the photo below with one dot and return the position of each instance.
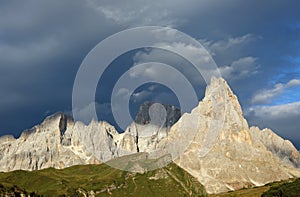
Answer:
(213, 143)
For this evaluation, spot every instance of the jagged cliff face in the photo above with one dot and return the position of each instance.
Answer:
(143, 118)
(58, 142)
(279, 147)
(241, 157)
(144, 134)
(213, 143)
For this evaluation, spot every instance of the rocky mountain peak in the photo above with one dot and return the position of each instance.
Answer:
(143, 117)
(223, 105)
(58, 122)
(213, 143)
(224, 154)
(221, 91)
(7, 138)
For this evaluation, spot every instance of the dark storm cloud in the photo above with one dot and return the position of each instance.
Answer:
(42, 44)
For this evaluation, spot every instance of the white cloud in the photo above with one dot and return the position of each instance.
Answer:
(144, 12)
(122, 92)
(276, 111)
(196, 55)
(149, 72)
(221, 46)
(200, 55)
(149, 12)
(229, 50)
(266, 95)
(142, 95)
(138, 96)
(283, 119)
(293, 82)
(241, 68)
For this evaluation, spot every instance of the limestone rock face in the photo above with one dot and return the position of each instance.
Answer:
(143, 118)
(238, 157)
(144, 134)
(58, 142)
(39, 147)
(213, 143)
(283, 149)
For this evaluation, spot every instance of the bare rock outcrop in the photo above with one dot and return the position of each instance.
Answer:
(283, 149)
(213, 143)
(58, 142)
(239, 158)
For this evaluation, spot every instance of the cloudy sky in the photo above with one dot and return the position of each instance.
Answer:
(256, 45)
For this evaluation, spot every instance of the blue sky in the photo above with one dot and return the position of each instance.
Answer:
(256, 45)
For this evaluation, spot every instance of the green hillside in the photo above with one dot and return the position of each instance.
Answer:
(289, 189)
(102, 180)
(286, 188)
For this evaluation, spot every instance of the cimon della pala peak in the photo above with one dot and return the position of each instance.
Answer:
(240, 156)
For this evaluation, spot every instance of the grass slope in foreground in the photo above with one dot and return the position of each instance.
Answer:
(103, 180)
(289, 189)
(286, 188)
